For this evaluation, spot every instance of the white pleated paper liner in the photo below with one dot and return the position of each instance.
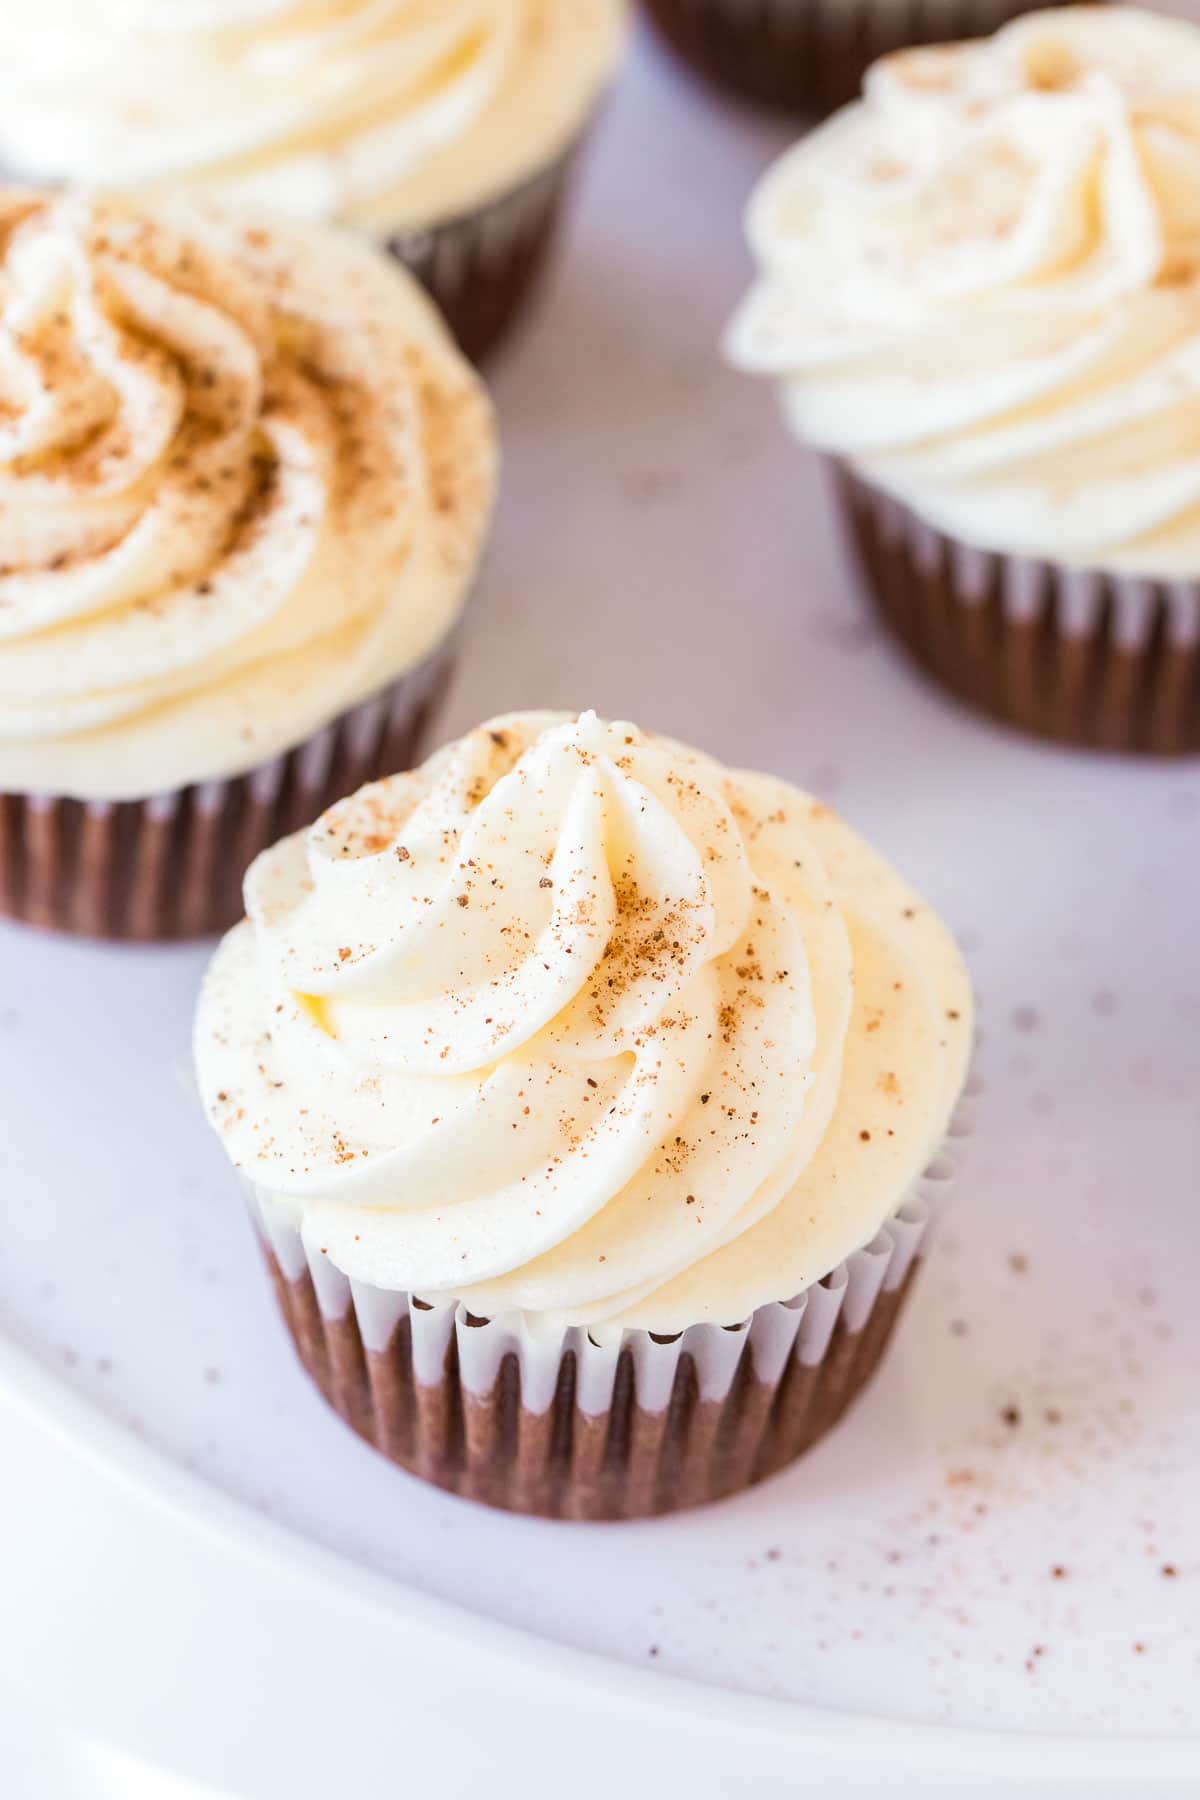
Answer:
(171, 866)
(1103, 661)
(580, 1423)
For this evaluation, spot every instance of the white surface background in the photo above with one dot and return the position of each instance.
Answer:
(1004, 1539)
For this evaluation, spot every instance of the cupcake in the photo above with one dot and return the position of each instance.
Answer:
(980, 289)
(444, 129)
(245, 478)
(592, 1103)
(809, 56)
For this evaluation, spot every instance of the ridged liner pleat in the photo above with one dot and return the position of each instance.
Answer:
(171, 866)
(809, 56)
(598, 1427)
(1101, 661)
(483, 267)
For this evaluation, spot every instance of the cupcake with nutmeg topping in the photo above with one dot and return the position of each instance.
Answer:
(979, 292)
(245, 479)
(593, 1102)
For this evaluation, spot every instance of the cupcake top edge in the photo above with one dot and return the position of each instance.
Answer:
(245, 478)
(980, 285)
(389, 116)
(574, 1022)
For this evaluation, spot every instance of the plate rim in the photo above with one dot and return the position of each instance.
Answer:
(190, 1500)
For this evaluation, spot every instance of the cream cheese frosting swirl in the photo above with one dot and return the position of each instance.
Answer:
(244, 482)
(981, 285)
(387, 114)
(574, 1022)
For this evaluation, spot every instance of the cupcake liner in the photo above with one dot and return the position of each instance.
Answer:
(171, 866)
(1107, 662)
(599, 1425)
(809, 56)
(481, 268)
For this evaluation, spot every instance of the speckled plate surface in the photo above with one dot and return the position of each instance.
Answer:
(1004, 1536)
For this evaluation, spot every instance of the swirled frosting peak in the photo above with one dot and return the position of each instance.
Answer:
(244, 480)
(981, 284)
(574, 1021)
(386, 114)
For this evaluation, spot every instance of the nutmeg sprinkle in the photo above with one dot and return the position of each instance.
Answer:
(647, 1037)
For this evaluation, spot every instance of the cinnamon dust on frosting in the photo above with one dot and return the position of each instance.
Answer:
(685, 1046)
(980, 285)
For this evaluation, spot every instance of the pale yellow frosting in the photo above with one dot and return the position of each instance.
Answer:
(981, 285)
(574, 1022)
(245, 478)
(389, 114)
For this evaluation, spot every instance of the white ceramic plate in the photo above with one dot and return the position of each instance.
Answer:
(995, 1564)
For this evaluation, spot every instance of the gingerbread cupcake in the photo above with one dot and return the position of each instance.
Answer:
(592, 1101)
(809, 56)
(980, 290)
(245, 478)
(446, 130)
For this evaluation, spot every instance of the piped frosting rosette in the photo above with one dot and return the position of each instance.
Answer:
(389, 114)
(574, 1023)
(980, 286)
(244, 482)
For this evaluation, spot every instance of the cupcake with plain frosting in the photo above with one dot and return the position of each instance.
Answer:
(445, 129)
(980, 290)
(593, 1103)
(245, 478)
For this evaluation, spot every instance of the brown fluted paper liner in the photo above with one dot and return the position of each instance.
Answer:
(581, 1425)
(1106, 662)
(809, 56)
(171, 866)
(482, 268)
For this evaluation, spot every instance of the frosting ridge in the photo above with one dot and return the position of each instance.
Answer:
(575, 1022)
(387, 114)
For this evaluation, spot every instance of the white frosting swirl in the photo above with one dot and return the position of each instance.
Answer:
(389, 114)
(981, 284)
(575, 1022)
(244, 481)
